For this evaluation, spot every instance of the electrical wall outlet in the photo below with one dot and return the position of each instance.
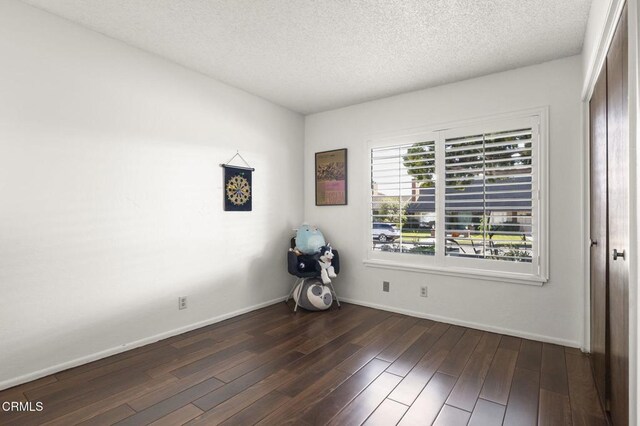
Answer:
(423, 291)
(182, 302)
(385, 286)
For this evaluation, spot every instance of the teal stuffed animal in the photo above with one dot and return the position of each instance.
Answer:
(309, 239)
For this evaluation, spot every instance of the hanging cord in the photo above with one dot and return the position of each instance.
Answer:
(237, 154)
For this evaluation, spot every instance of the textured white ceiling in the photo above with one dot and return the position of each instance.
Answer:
(314, 55)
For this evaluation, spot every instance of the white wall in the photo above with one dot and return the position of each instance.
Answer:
(111, 195)
(553, 312)
(596, 26)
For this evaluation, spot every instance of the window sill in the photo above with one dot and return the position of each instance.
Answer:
(507, 277)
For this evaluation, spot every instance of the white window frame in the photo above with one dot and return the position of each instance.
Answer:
(534, 273)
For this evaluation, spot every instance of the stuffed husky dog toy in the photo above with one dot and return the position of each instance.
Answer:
(324, 260)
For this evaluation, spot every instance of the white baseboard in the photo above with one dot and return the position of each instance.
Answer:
(152, 339)
(469, 324)
(128, 346)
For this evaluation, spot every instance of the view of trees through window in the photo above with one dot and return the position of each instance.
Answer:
(487, 197)
(403, 198)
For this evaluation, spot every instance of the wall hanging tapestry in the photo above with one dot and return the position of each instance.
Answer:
(238, 187)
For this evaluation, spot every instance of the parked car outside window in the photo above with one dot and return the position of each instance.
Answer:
(384, 232)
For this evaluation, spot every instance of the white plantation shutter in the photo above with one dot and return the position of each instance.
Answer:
(472, 198)
(488, 200)
(402, 178)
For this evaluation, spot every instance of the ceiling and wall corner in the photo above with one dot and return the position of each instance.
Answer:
(312, 56)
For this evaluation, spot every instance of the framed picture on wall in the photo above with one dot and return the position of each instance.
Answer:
(331, 178)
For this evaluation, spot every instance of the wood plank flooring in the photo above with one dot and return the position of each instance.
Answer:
(346, 366)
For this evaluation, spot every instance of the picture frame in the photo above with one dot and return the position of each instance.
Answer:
(331, 177)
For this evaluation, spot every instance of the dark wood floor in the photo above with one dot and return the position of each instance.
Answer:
(344, 367)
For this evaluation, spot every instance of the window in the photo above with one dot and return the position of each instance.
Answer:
(402, 196)
(463, 200)
(488, 196)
